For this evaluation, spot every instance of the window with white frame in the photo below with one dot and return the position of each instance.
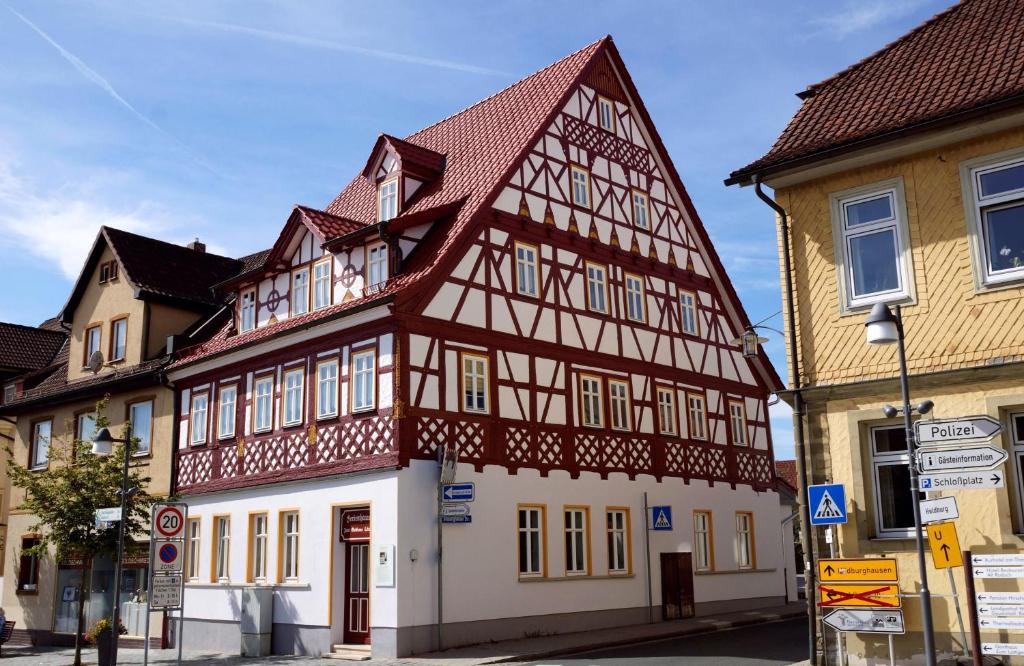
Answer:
(387, 200)
(85, 428)
(263, 404)
(998, 211)
(617, 525)
(688, 312)
(641, 211)
(618, 401)
(703, 544)
(300, 291)
(42, 431)
(376, 265)
(194, 543)
(597, 288)
(118, 339)
(10, 393)
(226, 411)
(745, 540)
(197, 423)
(327, 389)
(474, 383)
(293, 381)
(93, 340)
(527, 270)
(141, 416)
(590, 401)
(580, 186)
(698, 416)
(872, 237)
(606, 114)
(322, 283)
(531, 541)
(258, 537)
(363, 380)
(247, 311)
(667, 411)
(738, 423)
(635, 297)
(222, 548)
(890, 461)
(290, 546)
(576, 542)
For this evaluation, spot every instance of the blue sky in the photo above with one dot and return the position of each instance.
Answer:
(211, 119)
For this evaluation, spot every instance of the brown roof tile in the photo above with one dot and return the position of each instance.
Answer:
(24, 348)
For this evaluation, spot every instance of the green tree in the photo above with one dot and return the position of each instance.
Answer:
(64, 497)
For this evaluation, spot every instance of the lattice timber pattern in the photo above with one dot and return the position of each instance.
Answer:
(354, 443)
(514, 444)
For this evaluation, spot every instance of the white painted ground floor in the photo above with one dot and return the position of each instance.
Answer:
(541, 555)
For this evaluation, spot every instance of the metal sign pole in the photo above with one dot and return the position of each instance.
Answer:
(972, 608)
(149, 587)
(181, 608)
(647, 549)
(956, 605)
(892, 653)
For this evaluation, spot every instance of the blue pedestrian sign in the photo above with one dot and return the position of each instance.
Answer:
(828, 504)
(661, 518)
(458, 492)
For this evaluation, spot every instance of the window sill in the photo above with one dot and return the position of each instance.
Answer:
(724, 572)
(326, 417)
(197, 584)
(364, 410)
(26, 593)
(142, 454)
(114, 361)
(555, 579)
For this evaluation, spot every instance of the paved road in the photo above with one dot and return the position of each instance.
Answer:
(771, 644)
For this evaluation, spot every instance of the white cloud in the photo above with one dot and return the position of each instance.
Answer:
(858, 16)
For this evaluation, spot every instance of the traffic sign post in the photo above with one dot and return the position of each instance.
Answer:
(945, 546)
(946, 432)
(167, 565)
(828, 503)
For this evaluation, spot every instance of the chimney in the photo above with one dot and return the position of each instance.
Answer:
(196, 245)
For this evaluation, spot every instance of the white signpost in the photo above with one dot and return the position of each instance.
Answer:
(962, 481)
(999, 597)
(166, 565)
(999, 572)
(944, 432)
(885, 621)
(1001, 610)
(1008, 649)
(963, 459)
(996, 611)
(1002, 623)
(938, 510)
(998, 560)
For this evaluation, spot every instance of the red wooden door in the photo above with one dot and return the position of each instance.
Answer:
(357, 592)
(676, 586)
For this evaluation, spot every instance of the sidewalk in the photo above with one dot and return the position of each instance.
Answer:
(520, 650)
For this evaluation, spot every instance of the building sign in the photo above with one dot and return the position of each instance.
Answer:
(383, 565)
(355, 525)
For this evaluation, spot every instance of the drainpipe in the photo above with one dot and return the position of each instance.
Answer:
(806, 542)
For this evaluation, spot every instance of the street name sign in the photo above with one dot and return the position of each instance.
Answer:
(962, 481)
(936, 510)
(455, 510)
(456, 520)
(1001, 610)
(828, 503)
(998, 560)
(165, 592)
(871, 595)
(866, 620)
(945, 546)
(109, 515)
(964, 459)
(1002, 623)
(1007, 649)
(956, 431)
(998, 572)
(458, 492)
(999, 597)
(880, 569)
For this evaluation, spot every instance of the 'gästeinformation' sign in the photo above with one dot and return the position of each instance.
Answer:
(964, 459)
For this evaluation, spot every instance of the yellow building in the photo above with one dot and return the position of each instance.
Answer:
(134, 295)
(902, 180)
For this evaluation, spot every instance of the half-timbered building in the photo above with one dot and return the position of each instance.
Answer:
(524, 288)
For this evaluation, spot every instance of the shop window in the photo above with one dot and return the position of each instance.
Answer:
(28, 566)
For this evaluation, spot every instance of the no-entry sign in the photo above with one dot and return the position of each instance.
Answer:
(169, 521)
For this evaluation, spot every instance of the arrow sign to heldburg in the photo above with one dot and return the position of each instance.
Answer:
(870, 621)
(964, 459)
(956, 431)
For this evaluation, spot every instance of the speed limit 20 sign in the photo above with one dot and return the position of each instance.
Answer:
(169, 520)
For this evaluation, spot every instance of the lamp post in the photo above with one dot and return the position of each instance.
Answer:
(886, 328)
(103, 445)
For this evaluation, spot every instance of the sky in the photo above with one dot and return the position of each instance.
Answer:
(212, 119)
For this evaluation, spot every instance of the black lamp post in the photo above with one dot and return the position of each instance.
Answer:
(103, 445)
(886, 328)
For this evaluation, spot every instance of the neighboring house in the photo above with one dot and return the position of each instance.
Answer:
(790, 534)
(903, 180)
(132, 294)
(524, 288)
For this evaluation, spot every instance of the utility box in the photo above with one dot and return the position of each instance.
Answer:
(257, 620)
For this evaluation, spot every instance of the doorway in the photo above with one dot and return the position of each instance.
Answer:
(677, 586)
(357, 593)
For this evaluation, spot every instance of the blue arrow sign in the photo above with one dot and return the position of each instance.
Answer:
(828, 504)
(458, 492)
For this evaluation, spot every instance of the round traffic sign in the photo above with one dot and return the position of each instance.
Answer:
(168, 553)
(169, 522)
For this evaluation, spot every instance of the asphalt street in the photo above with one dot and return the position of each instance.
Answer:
(771, 644)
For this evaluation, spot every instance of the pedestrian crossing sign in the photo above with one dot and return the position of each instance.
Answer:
(661, 518)
(828, 504)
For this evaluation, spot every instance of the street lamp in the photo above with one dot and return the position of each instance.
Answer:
(103, 445)
(885, 328)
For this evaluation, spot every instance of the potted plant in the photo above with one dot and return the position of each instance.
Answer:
(101, 634)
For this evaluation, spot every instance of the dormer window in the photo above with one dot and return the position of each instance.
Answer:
(376, 264)
(387, 200)
(108, 271)
(247, 311)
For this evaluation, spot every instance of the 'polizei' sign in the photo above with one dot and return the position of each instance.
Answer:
(956, 431)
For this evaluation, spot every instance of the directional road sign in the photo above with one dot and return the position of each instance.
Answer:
(1007, 649)
(956, 431)
(945, 546)
(936, 510)
(962, 481)
(1001, 623)
(998, 572)
(661, 518)
(881, 569)
(999, 597)
(869, 621)
(1001, 610)
(998, 559)
(964, 459)
(455, 510)
(458, 492)
(828, 504)
(872, 595)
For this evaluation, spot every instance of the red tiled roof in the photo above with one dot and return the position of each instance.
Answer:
(481, 145)
(329, 226)
(786, 470)
(968, 58)
(28, 348)
(413, 156)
